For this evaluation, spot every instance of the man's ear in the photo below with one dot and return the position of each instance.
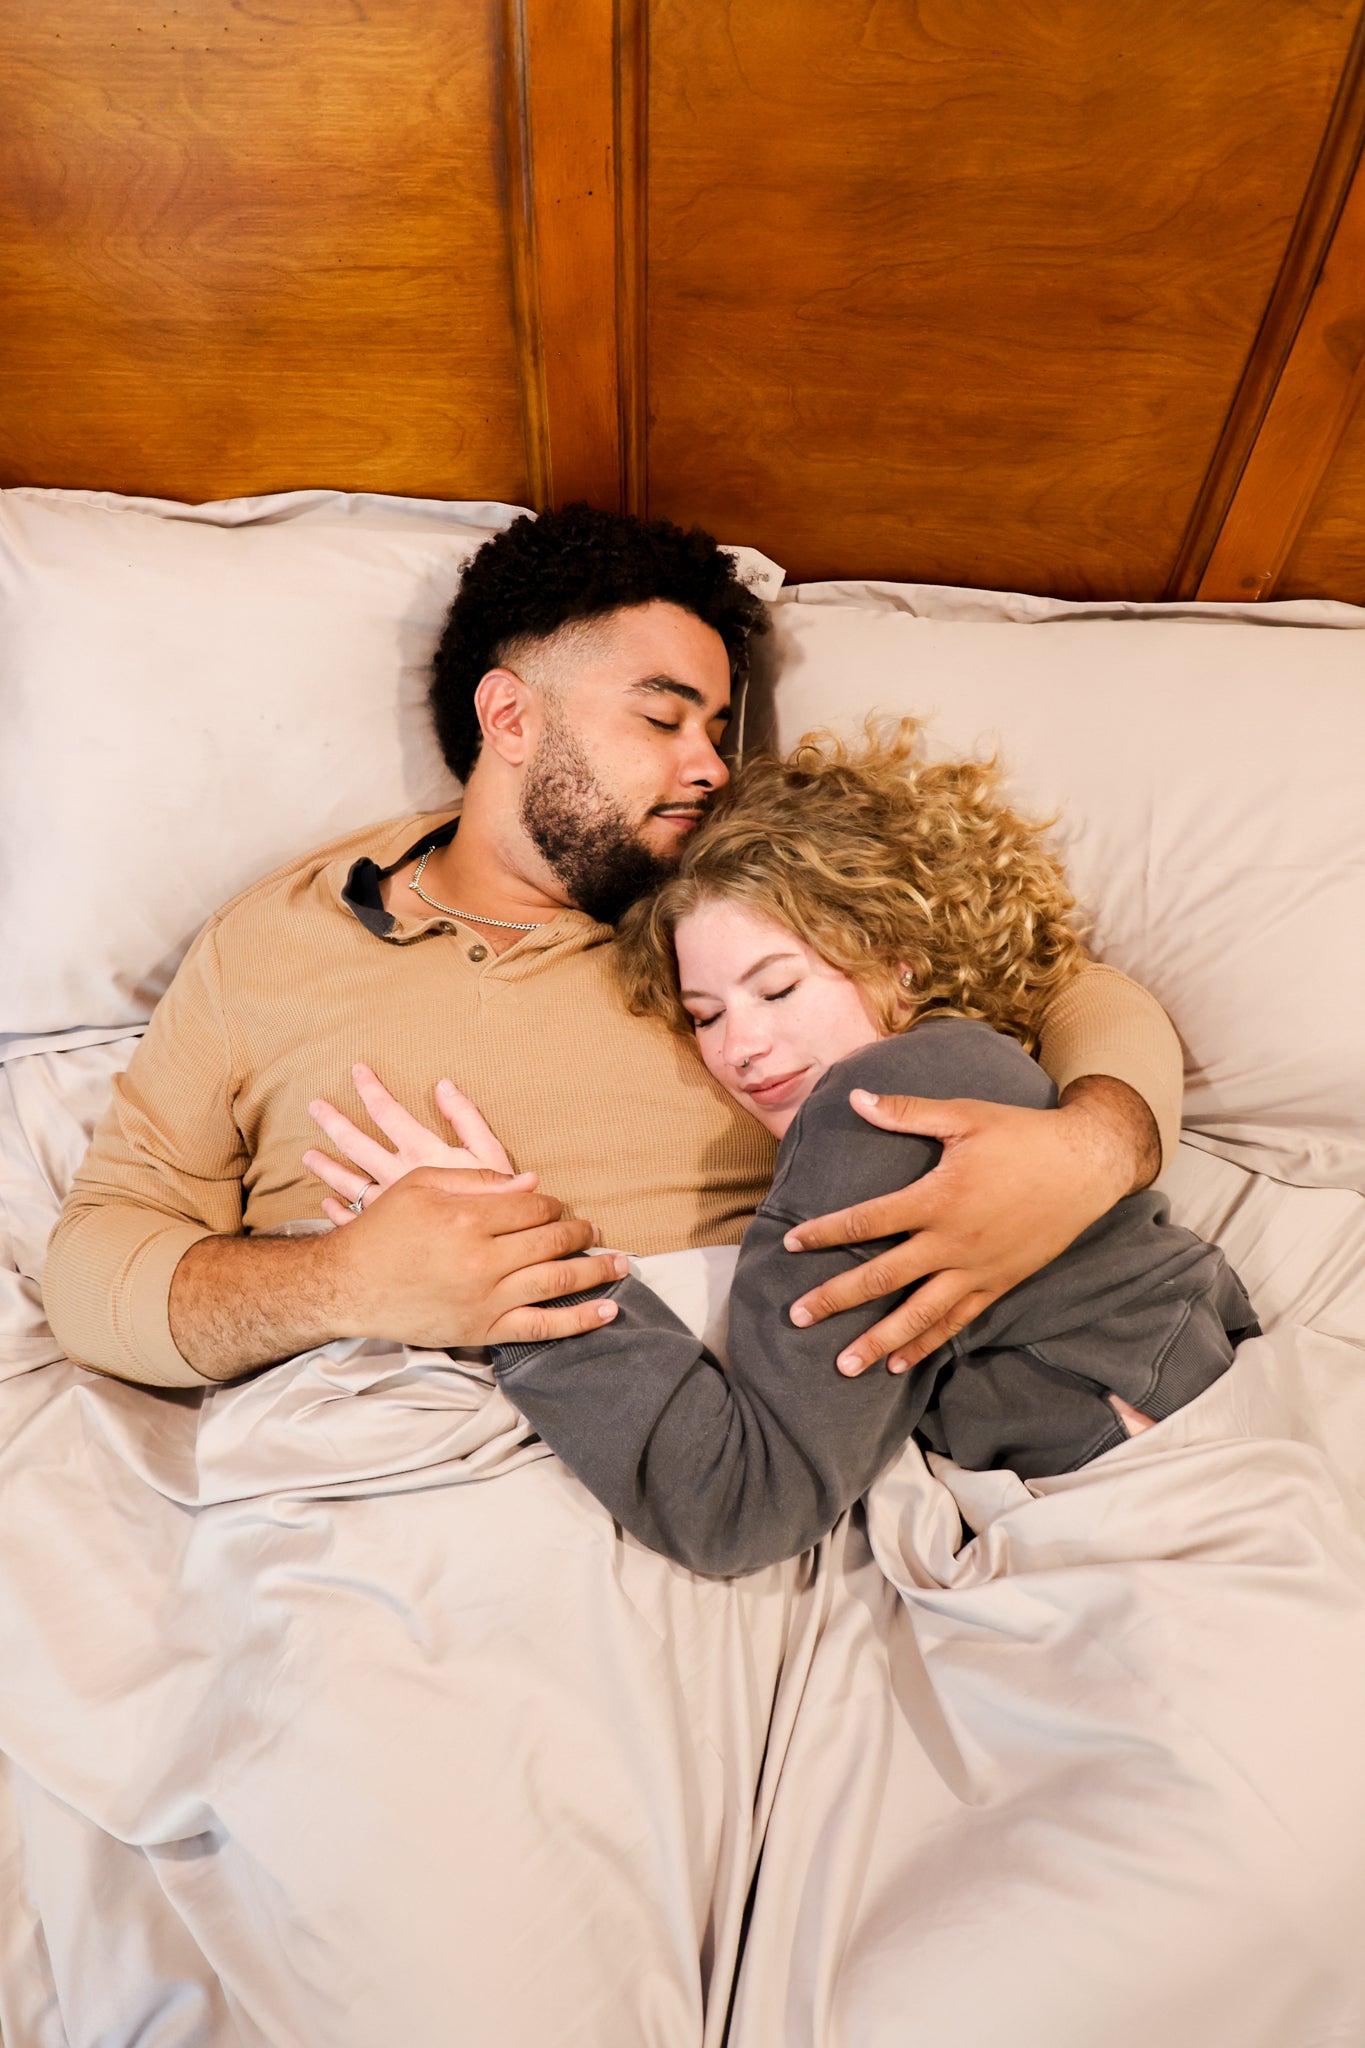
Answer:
(510, 715)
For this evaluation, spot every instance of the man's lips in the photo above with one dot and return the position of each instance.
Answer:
(769, 1094)
(684, 821)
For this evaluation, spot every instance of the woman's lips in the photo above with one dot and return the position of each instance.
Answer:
(771, 1094)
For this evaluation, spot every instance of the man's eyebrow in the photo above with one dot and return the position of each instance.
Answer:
(701, 995)
(669, 686)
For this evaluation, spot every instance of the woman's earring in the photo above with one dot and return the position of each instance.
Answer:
(907, 979)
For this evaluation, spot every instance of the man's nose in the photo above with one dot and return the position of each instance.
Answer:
(702, 767)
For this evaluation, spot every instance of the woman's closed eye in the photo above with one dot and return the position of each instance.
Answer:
(778, 993)
(700, 1023)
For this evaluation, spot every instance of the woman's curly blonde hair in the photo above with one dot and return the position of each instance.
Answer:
(883, 862)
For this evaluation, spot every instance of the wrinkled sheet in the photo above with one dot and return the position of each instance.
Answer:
(335, 1712)
(1080, 1759)
(1096, 1772)
(402, 1727)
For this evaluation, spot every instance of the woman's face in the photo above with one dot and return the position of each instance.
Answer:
(770, 1015)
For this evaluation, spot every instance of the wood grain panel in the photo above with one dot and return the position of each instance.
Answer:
(251, 244)
(577, 219)
(1299, 272)
(1319, 390)
(963, 291)
(568, 50)
(1328, 558)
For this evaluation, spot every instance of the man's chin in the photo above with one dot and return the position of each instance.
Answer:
(664, 841)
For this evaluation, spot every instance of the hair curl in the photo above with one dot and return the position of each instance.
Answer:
(882, 861)
(564, 568)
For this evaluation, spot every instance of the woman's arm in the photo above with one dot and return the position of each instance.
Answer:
(728, 1472)
(1011, 1191)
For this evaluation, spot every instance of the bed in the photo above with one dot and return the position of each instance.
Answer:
(1023, 384)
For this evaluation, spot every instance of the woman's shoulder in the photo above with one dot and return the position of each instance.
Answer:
(831, 1156)
(944, 1057)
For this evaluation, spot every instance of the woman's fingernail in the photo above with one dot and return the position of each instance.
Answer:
(792, 1241)
(606, 1310)
(802, 1317)
(444, 1087)
(621, 1264)
(864, 1098)
(848, 1361)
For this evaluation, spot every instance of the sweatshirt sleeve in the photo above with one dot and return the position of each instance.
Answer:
(728, 1472)
(1103, 1023)
(164, 1169)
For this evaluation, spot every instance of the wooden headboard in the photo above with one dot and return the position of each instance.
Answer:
(1055, 295)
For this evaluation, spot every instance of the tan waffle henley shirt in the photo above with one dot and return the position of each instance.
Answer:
(306, 972)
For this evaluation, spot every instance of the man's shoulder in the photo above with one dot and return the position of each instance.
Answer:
(311, 874)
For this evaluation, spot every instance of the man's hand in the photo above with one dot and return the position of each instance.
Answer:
(1013, 1189)
(442, 1258)
(438, 1261)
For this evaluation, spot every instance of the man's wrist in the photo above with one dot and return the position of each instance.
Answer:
(1119, 1132)
(341, 1286)
(239, 1303)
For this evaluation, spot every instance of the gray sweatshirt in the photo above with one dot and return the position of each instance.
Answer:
(729, 1471)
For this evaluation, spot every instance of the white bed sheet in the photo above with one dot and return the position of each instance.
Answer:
(336, 1711)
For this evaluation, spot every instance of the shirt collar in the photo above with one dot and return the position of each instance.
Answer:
(362, 892)
(361, 895)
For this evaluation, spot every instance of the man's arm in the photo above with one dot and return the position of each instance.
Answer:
(442, 1258)
(728, 1470)
(1014, 1187)
(149, 1277)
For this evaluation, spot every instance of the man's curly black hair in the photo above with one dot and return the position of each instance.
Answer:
(574, 564)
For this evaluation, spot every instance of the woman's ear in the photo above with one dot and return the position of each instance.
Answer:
(903, 1005)
(509, 713)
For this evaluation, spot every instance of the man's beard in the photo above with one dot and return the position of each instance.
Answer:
(582, 833)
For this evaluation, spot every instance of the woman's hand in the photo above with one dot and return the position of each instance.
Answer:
(414, 1145)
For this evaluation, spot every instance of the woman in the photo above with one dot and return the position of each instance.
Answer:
(844, 925)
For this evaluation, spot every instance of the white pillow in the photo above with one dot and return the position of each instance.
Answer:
(1208, 768)
(191, 695)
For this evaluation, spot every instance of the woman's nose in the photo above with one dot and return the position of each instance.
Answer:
(744, 1043)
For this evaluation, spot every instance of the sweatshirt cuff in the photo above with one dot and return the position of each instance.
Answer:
(1137, 1071)
(144, 1325)
(1106, 1024)
(506, 1356)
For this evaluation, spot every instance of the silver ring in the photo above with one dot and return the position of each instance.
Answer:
(358, 1204)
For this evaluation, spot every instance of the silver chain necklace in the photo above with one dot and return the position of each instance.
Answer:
(505, 924)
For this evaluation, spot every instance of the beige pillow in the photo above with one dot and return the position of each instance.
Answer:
(1208, 768)
(192, 694)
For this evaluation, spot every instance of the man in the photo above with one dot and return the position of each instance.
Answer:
(581, 693)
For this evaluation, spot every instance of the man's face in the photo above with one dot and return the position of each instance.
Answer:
(626, 761)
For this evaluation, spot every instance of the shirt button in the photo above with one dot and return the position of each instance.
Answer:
(478, 952)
